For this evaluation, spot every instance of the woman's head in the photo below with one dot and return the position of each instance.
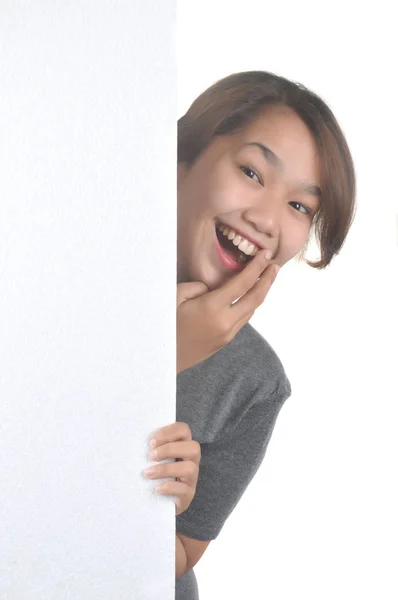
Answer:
(267, 158)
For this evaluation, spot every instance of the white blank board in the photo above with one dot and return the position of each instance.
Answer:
(87, 297)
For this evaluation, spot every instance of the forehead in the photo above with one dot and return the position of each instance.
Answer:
(281, 126)
(283, 131)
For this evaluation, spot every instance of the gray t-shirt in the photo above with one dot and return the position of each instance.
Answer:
(231, 402)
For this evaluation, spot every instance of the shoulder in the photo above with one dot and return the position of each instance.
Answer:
(262, 362)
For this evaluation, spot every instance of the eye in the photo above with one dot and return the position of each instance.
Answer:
(251, 172)
(302, 208)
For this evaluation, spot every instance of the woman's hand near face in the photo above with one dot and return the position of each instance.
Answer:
(207, 321)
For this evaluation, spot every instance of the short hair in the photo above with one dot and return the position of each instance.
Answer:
(234, 101)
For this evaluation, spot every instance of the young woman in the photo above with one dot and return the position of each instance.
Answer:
(262, 165)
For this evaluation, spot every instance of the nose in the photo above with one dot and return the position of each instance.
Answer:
(266, 215)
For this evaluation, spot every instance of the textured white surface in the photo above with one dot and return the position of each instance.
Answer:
(87, 300)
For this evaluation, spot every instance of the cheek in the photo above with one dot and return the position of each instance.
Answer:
(293, 239)
(220, 196)
(228, 192)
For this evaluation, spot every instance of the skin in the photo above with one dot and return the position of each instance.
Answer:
(272, 200)
(237, 185)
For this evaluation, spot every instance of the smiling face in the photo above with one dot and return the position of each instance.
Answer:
(262, 182)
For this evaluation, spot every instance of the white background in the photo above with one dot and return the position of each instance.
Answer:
(87, 298)
(319, 519)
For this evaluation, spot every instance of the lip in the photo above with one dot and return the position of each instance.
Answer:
(231, 265)
(242, 234)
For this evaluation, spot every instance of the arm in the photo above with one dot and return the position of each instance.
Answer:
(228, 465)
(181, 558)
(188, 553)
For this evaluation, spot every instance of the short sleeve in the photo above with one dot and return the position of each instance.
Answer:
(229, 464)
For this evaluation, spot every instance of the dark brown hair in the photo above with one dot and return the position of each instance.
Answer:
(233, 102)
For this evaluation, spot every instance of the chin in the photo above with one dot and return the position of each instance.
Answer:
(212, 278)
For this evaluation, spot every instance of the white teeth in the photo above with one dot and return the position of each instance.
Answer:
(239, 241)
(244, 246)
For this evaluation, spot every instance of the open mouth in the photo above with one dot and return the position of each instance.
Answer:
(232, 251)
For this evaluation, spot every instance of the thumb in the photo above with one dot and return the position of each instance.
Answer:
(190, 290)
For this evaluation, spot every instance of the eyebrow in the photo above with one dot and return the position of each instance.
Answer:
(276, 162)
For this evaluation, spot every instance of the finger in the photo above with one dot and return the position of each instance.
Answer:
(171, 433)
(186, 471)
(187, 291)
(243, 281)
(248, 303)
(185, 450)
(241, 323)
(175, 488)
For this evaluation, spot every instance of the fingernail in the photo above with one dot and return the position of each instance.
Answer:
(153, 443)
(149, 472)
(268, 254)
(154, 454)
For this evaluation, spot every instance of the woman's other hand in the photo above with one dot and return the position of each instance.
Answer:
(175, 441)
(207, 321)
